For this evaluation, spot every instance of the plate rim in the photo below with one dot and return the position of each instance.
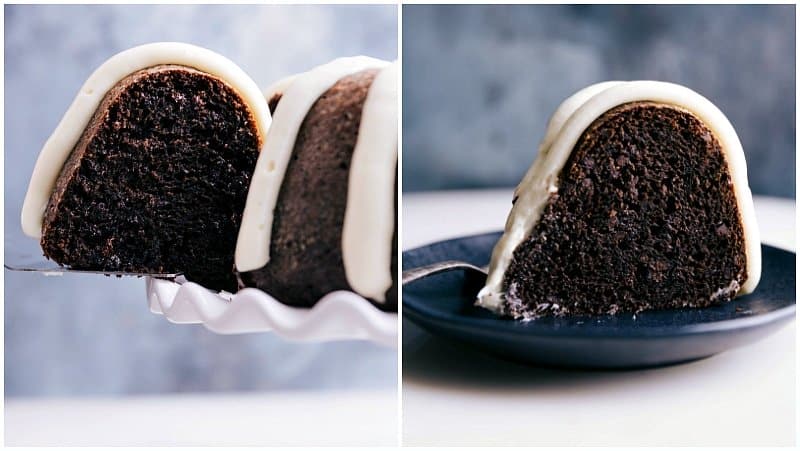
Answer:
(529, 329)
(339, 315)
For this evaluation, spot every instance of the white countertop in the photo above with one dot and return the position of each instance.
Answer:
(308, 418)
(458, 396)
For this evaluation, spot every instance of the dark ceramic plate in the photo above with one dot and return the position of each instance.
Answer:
(443, 305)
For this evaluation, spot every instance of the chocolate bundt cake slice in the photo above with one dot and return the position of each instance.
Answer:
(638, 200)
(148, 170)
(321, 214)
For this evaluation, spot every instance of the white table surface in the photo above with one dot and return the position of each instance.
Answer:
(458, 396)
(310, 418)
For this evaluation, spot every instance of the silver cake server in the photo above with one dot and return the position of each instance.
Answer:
(22, 255)
(52, 269)
(413, 274)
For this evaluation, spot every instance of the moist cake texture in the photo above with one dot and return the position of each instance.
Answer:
(158, 180)
(148, 169)
(637, 200)
(644, 218)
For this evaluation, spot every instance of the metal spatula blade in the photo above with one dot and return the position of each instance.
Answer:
(24, 254)
(51, 269)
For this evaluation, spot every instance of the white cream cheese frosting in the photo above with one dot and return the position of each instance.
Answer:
(369, 215)
(60, 144)
(564, 130)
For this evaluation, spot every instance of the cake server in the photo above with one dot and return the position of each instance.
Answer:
(52, 269)
(410, 275)
(25, 258)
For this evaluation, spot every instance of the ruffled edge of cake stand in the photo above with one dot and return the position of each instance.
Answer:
(340, 315)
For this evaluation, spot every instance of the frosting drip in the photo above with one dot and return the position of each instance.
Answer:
(567, 125)
(369, 216)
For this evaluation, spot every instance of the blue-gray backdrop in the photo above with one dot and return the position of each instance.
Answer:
(480, 82)
(89, 335)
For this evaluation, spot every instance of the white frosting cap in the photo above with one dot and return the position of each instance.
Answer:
(567, 125)
(60, 144)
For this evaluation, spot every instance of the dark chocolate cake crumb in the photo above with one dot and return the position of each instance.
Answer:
(158, 180)
(645, 217)
(273, 102)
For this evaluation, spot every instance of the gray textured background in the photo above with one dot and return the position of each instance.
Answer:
(480, 82)
(89, 335)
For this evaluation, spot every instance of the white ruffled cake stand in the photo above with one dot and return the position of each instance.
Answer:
(340, 315)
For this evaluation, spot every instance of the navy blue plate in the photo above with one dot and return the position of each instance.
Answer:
(443, 305)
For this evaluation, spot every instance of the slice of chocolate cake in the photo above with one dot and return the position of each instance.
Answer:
(638, 200)
(321, 214)
(148, 170)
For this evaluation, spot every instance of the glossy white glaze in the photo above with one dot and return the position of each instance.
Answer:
(369, 216)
